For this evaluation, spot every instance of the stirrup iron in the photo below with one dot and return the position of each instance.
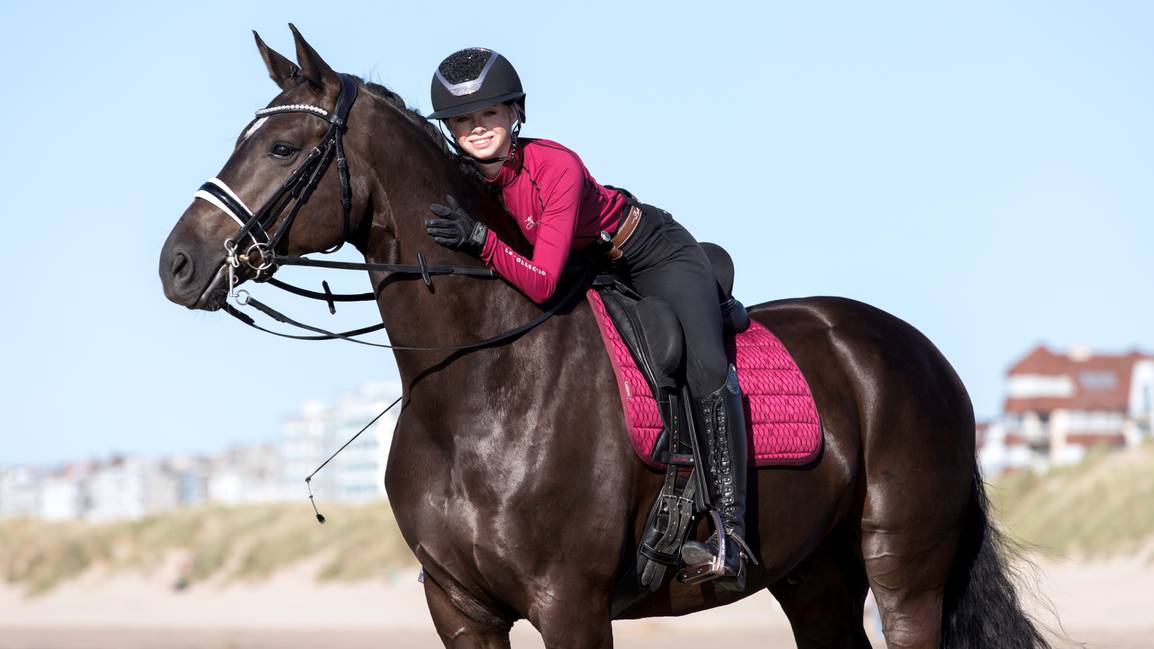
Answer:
(713, 568)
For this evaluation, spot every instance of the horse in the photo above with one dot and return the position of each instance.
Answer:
(510, 474)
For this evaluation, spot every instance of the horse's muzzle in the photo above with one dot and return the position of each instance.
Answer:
(190, 280)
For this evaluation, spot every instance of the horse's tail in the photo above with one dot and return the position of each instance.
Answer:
(981, 608)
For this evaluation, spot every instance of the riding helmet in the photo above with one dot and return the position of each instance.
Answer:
(475, 78)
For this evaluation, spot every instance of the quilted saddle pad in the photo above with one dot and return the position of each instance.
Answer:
(784, 425)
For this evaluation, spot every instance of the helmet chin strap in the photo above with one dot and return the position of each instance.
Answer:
(484, 161)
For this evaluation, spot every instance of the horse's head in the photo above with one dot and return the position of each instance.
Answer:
(284, 189)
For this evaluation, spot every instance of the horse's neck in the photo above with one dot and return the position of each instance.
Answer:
(458, 309)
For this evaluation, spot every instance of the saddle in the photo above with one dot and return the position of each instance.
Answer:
(646, 345)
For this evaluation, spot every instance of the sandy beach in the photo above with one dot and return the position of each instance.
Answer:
(1107, 604)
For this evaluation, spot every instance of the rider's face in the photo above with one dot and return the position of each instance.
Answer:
(484, 133)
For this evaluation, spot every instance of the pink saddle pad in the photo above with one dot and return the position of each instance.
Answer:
(785, 427)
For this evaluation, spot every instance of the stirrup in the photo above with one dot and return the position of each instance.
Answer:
(713, 568)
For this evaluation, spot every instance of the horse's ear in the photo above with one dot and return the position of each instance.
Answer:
(314, 68)
(281, 70)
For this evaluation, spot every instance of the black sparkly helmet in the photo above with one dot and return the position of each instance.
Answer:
(475, 78)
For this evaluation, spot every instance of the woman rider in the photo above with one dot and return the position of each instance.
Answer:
(560, 207)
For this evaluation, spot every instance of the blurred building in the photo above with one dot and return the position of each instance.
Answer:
(245, 474)
(64, 492)
(310, 437)
(116, 490)
(1060, 406)
(190, 477)
(127, 487)
(304, 439)
(19, 491)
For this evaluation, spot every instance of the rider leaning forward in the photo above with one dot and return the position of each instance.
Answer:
(559, 207)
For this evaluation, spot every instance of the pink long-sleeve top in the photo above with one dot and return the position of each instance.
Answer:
(559, 207)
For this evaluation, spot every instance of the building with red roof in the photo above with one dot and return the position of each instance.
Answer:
(1061, 405)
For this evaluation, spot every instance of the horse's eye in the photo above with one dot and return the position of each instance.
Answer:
(282, 150)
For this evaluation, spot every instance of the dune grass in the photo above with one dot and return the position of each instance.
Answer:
(1103, 507)
(1100, 508)
(209, 543)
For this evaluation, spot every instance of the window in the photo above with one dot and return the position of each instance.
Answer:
(1098, 380)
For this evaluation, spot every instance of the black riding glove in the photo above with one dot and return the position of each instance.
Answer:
(456, 229)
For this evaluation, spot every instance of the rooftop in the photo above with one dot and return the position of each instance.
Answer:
(1045, 380)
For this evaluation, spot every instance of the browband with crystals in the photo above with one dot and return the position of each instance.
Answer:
(294, 108)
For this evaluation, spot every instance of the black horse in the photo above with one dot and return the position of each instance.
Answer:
(510, 473)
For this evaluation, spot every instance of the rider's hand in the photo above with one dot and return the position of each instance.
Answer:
(456, 229)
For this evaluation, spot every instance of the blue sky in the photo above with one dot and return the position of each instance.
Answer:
(982, 171)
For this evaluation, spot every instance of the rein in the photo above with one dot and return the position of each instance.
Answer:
(261, 259)
(322, 334)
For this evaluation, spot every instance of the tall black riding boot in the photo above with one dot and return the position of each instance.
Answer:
(720, 418)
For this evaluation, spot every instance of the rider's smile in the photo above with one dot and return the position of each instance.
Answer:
(484, 133)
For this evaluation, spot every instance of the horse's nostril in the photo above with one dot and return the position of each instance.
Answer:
(182, 269)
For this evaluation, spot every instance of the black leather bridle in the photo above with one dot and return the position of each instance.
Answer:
(261, 257)
(295, 191)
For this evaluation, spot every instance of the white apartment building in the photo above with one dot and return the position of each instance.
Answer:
(133, 487)
(357, 474)
(63, 494)
(117, 490)
(250, 474)
(19, 491)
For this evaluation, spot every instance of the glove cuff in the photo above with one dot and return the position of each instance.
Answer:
(479, 235)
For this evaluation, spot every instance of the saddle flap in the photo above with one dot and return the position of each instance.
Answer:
(622, 310)
(663, 338)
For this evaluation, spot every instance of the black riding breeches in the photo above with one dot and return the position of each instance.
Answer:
(661, 259)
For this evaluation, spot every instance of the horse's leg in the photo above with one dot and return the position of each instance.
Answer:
(908, 580)
(824, 598)
(910, 534)
(575, 629)
(571, 618)
(457, 630)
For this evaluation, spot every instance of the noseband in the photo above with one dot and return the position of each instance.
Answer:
(260, 256)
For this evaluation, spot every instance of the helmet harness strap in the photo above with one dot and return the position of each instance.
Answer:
(448, 135)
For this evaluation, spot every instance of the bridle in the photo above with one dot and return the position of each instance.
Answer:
(260, 256)
(262, 260)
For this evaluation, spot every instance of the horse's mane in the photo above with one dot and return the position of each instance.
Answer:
(505, 228)
(468, 169)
